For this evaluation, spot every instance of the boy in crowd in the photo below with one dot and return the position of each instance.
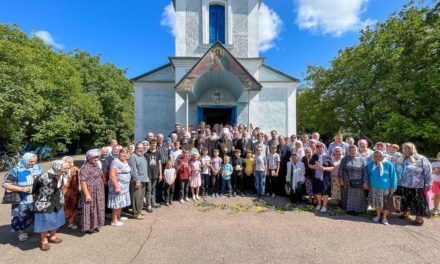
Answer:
(273, 164)
(238, 164)
(260, 170)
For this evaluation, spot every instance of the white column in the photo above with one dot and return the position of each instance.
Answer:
(187, 112)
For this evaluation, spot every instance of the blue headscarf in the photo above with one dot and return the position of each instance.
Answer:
(23, 164)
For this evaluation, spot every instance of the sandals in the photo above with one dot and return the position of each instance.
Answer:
(44, 247)
(23, 237)
(55, 241)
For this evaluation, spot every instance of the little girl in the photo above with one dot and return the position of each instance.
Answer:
(206, 171)
(195, 179)
(436, 184)
(170, 178)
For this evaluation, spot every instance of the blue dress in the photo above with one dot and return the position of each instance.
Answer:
(121, 200)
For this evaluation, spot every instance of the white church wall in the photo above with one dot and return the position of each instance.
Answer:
(240, 11)
(269, 110)
(194, 34)
(158, 110)
(138, 113)
(242, 114)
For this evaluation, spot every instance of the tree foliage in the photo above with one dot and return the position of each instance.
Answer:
(387, 87)
(46, 95)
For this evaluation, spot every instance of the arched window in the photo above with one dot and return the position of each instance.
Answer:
(216, 24)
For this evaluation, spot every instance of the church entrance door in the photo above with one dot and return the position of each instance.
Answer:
(218, 115)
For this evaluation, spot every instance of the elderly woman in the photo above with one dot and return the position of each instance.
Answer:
(354, 181)
(20, 179)
(49, 202)
(364, 151)
(336, 188)
(414, 178)
(323, 166)
(71, 193)
(92, 184)
(382, 179)
(119, 187)
(298, 149)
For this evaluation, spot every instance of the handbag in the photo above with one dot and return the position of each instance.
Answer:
(356, 183)
(392, 203)
(11, 197)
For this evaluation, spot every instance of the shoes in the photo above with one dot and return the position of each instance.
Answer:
(149, 209)
(323, 209)
(44, 247)
(267, 194)
(171, 202)
(194, 197)
(156, 206)
(73, 226)
(181, 201)
(56, 240)
(435, 212)
(166, 203)
(385, 222)
(123, 218)
(187, 199)
(273, 196)
(117, 224)
(234, 194)
(197, 197)
(23, 237)
(140, 217)
(142, 213)
(213, 195)
(318, 207)
(376, 218)
(241, 194)
(216, 195)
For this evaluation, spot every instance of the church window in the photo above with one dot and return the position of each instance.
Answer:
(216, 24)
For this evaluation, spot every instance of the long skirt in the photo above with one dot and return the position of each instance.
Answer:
(377, 197)
(22, 216)
(336, 188)
(93, 215)
(356, 200)
(49, 221)
(413, 200)
(309, 187)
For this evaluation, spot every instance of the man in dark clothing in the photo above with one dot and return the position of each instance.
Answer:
(225, 146)
(154, 172)
(244, 144)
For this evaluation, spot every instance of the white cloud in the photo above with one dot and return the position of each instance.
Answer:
(48, 39)
(169, 18)
(334, 17)
(270, 25)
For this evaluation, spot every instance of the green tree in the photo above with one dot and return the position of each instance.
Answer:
(387, 87)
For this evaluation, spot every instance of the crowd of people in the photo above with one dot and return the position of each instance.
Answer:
(194, 163)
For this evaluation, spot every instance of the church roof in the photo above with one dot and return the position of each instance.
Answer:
(164, 73)
(218, 64)
(270, 74)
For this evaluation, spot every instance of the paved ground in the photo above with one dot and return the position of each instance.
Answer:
(190, 234)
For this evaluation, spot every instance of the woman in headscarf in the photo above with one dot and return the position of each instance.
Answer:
(414, 174)
(354, 181)
(92, 184)
(49, 202)
(382, 180)
(20, 179)
(364, 151)
(336, 188)
(71, 193)
(323, 166)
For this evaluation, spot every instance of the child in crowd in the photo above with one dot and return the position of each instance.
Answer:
(436, 184)
(249, 179)
(226, 176)
(170, 178)
(206, 171)
(295, 179)
(273, 164)
(260, 170)
(184, 171)
(237, 177)
(195, 179)
(216, 169)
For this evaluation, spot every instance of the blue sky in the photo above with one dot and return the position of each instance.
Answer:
(129, 33)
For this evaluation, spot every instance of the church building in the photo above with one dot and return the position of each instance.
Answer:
(216, 75)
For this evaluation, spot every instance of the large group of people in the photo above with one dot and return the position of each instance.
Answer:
(194, 163)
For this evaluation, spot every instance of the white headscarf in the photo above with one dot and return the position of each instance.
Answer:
(380, 163)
